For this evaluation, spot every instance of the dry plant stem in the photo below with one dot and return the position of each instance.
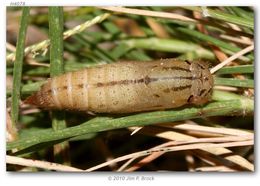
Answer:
(158, 29)
(233, 57)
(221, 16)
(30, 111)
(143, 162)
(213, 130)
(148, 13)
(11, 131)
(235, 39)
(228, 30)
(155, 155)
(85, 25)
(39, 164)
(136, 130)
(218, 53)
(30, 59)
(223, 57)
(175, 148)
(226, 88)
(190, 162)
(35, 63)
(215, 169)
(43, 46)
(237, 28)
(172, 135)
(10, 47)
(126, 164)
(210, 159)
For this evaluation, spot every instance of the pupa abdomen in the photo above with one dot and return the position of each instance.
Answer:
(126, 87)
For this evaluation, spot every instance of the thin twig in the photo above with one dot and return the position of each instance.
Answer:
(225, 88)
(215, 169)
(39, 164)
(233, 57)
(158, 154)
(136, 130)
(85, 25)
(235, 39)
(237, 28)
(43, 45)
(175, 148)
(214, 130)
(217, 51)
(32, 62)
(148, 13)
(10, 47)
(176, 136)
(142, 162)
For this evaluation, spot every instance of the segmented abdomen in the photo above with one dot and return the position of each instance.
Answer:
(126, 87)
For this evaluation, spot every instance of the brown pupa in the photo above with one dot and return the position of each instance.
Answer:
(126, 87)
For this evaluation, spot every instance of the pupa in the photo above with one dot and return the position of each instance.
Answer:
(126, 87)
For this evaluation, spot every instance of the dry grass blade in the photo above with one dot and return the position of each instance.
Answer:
(142, 162)
(215, 169)
(39, 164)
(155, 155)
(176, 136)
(32, 62)
(10, 47)
(11, 131)
(136, 130)
(157, 28)
(213, 130)
(174, 148)
(217, 136)
(237, 28)
(148, 13)
(43, 45)
(237, 40)
(230, 59)
(225, 88)
(217, 51)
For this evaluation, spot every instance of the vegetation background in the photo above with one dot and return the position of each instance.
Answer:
(46, 41)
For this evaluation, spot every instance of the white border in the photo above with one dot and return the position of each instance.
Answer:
(171, 178)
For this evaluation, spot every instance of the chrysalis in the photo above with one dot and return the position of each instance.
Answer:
(126, 87)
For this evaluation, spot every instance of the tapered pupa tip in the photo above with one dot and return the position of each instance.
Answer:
(40, 100)
(31, 100)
